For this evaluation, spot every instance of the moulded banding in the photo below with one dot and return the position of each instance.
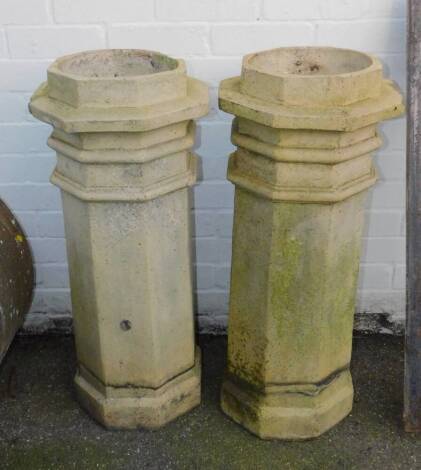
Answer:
(311, 76)
(305, 129)
(130, 118)
(328, 118)
(116, 77)
(123, 134)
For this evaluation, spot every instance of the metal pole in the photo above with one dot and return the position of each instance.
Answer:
(412, 392)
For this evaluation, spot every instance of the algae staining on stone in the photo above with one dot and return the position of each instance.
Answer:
(246, 359)
(285, 279)
(296, 230)
(343, 292)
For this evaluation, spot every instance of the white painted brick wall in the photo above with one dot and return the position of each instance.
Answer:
(211, 35)
(24, 12)
(46, 42)
(100, 11)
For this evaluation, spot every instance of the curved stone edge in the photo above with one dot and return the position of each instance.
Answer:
(135, 90)
(289, 415)
(112, 119)
(300, 195)
(340, 118)
(124, 194)
(154, 409)
(342, 88)
(17, 277)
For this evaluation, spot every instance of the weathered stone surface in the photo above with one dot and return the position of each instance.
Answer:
(300, 173)
(16, 277)
(124, 165)
(311, 76)
(128, 119)
(349, 118)
(116, 77)
(153, 407)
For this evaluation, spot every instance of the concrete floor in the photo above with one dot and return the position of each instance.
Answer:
(42, 426)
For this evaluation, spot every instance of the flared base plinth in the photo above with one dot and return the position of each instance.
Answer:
(133, 407)
(289, 412)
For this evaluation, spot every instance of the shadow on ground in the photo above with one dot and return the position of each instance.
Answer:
(42, 426)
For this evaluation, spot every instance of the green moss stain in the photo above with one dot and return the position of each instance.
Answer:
(285, 279)
(293, 289)
(313, 284)
(247, 341)
(246, 355)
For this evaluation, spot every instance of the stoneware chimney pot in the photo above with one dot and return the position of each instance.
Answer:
(305, 131)
(123, 133)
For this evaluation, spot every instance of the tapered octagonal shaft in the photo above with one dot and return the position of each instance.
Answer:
(123, 134)
(305, 131)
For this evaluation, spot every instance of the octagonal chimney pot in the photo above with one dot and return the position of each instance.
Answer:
(305, 131)
(123, 134)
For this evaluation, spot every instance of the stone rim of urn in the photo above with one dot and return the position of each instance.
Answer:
(305, 130)
(123, 134)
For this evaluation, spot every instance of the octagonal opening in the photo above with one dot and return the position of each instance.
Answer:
(320, 61)
(115, 63)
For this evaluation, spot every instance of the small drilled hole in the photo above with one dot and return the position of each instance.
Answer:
(125, 325)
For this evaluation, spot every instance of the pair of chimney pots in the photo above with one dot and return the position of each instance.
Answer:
(305, 129)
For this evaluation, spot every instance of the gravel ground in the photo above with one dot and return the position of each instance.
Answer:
(42, 426)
